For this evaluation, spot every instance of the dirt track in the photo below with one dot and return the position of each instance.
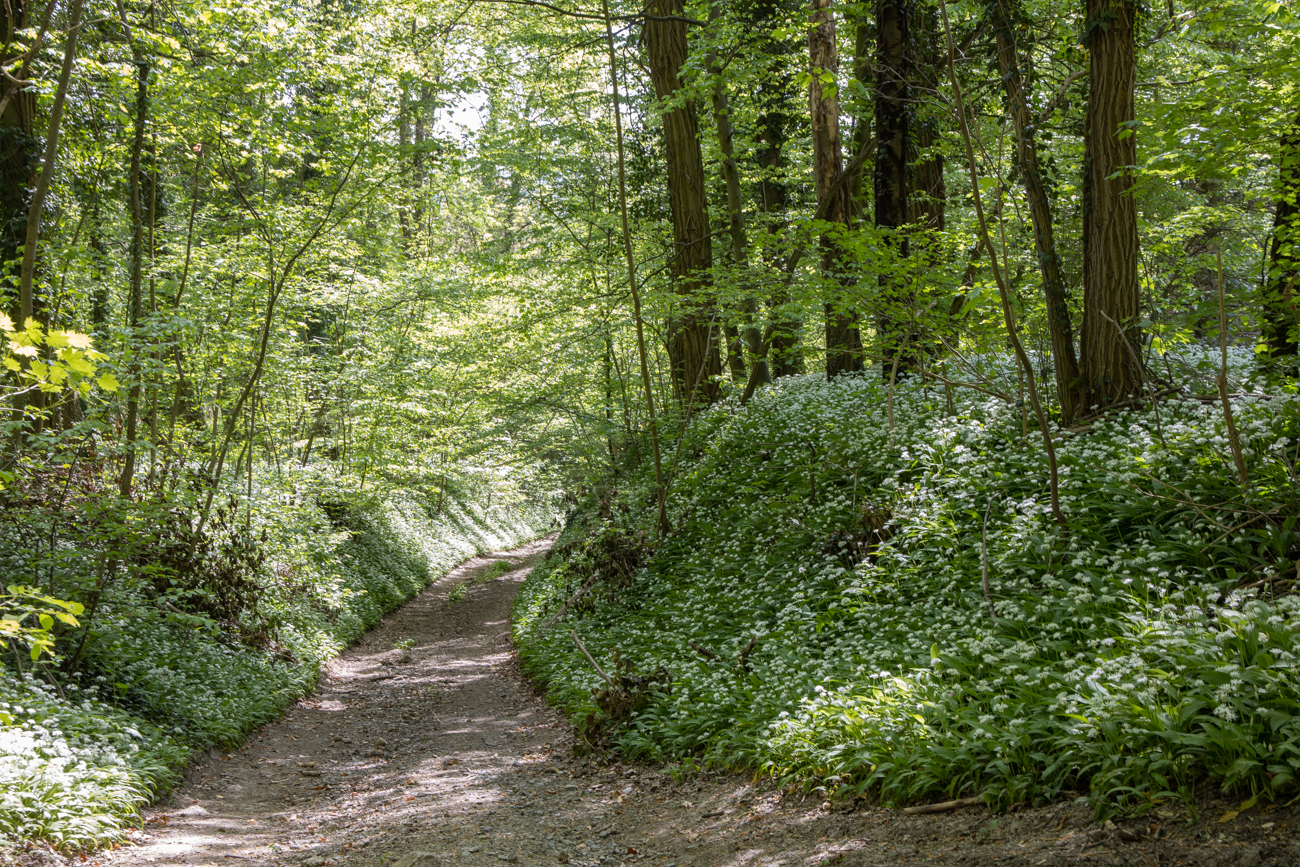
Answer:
(443, 748)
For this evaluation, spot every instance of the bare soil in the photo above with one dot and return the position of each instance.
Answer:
(442, 747)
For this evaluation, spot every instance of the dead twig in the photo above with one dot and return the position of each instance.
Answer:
(943, 806)
(591, 659)
(744, 654)
(1222, 381)
(704, 651)
(1146, 380)
(569, 603)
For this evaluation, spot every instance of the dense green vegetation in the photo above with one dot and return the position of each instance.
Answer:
(817, 612)
(303, 299)
(80, 755)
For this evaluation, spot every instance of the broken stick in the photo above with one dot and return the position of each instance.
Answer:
(594, 664)
(943, 806)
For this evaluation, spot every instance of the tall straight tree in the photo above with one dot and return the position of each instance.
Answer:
(136, 268)
(1003, 17)
(1281, 299)
(693, 349)
(1109, 363)
(929, 193)
(843, 339)
(776, 100)
(893, 137)
(864, 74)
(18, 147)
(752, 335)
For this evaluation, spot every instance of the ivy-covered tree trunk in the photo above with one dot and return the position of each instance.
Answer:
(692, 346)
(1281, 304)
(893, 140)
(843, 340)
(1059, 326)
(1110, 364)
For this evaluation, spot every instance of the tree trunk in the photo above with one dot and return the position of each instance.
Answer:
(1281, 305)
(18, 148)
(929, 193)
(775, 97)
(693, 349)
(751, 337)
(893, 137)
(843, 339)
(865, 75)
(1109, 368)
(1059, 327)
(137, 278)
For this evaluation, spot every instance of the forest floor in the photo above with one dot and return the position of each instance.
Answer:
(425, 738)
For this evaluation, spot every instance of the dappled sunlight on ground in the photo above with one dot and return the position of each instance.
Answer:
(442, 747)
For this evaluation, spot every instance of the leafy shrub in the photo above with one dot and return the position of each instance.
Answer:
(191, 641)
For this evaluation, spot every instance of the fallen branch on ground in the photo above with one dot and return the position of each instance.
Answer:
(943, 806)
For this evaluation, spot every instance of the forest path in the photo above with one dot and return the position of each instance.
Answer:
(444, 748)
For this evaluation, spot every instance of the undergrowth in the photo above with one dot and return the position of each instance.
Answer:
(819, 612)
(162, 674)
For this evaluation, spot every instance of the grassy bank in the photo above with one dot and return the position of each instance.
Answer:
(155, 681)
(818, 610)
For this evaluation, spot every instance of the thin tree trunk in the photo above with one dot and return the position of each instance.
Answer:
(17, 107)
(660, 489)
(1059, 327)
(751, 334)
(1004, 290)
(1281, 299)
(1110, 243)
(776, 99)
(136, 278)
(843, 339)
(277, 278)
(37, 204)
(893, 136)
(865, 75)
(929, 194)
(696, 361)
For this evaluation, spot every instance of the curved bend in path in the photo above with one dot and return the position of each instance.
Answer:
(443, 748)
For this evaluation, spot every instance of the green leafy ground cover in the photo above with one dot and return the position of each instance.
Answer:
(1151, 650)
(78, 760)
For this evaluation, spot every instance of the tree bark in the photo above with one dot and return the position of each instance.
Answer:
(893, 136)
(692, 347)
(137, 267)
(843, 339)
(1110, 371)
(17, 149)
(775, 98)
(661, 490)
(929, 194)
(864, 73)
(1059, 327)
(36, 206)
(751, 336)
(1281, 305)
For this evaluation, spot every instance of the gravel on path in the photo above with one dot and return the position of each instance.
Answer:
(423, 745)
